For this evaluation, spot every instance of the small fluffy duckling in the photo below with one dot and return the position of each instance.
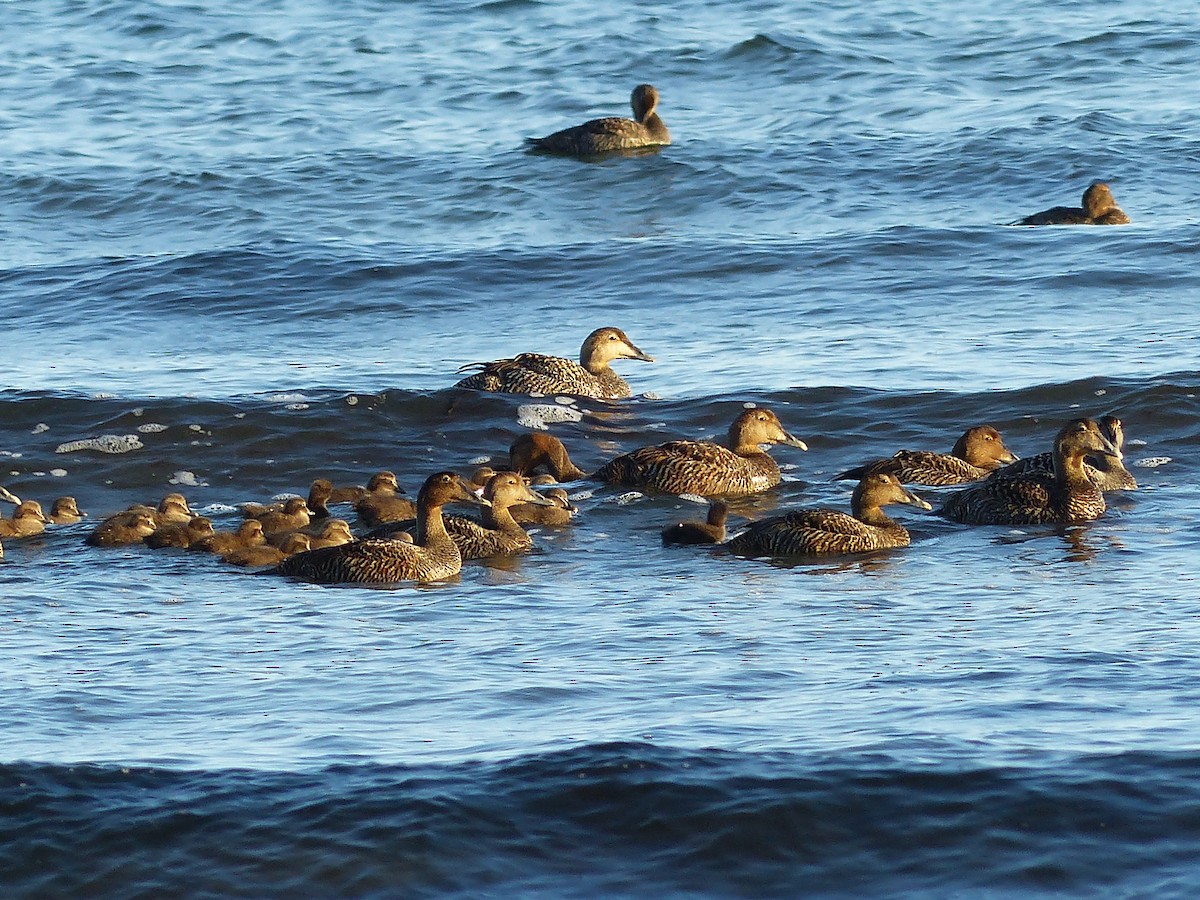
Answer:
(710, 531)
(27, 520)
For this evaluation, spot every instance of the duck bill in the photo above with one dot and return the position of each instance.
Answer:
(1009, 457)
(913, 500)
(539, 500)
(790, 440)
(636, 353)
(1107, 448)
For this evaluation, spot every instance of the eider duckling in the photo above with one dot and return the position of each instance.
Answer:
(383, 502)
(643, 131)
(825, 531)
(1107, 472)
(65, 511)
(172, 508)
(710, 531)
(537, 449)
(536, 373)
(266, 555)
(1099, 208)
(248, 534)
(293, 516)
(9, 497)
(433, 556)
(327, 533)
(705, 468)
(355, 492)
(320, 492)
(979, 452)
(558, 514)
(129, 527)
(180, 534)
(1062, 496)
(27, 520)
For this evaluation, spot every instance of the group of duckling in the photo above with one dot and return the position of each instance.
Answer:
(647, 133)
(406, 541)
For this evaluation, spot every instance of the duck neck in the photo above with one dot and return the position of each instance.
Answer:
(499, 518)
(1068, 468)
(873, 514)
(431, 528)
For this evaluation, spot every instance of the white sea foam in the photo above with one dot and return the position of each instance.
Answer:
(1152, 462)
(106, 443)
(541, 416)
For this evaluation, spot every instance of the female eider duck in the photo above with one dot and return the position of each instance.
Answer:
(705, 468)
(1063, 495)
(536, 373)
(1099, 208)
(65, 511)
(27, 520)
(644, 131)
(381, 561)
(710, 531)
(807, 532)
(979, 452)
(1107, 472)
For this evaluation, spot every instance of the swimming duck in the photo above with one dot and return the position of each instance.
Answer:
(559, 513)
(383, 502)
(65, 511)
(826, 531)
(248, 534)
(1099, 208)
(180, 534)
(1061, 496)
(8, 497)
(705, 468)
(536, 373)
(265, 555)
(320, 492)
(355, 492)
(292, 516)
(531, 451)
(979, 452)
(644, 130)
(1107, 472)
(434, 555)
(326, 533)
(27, 520)
(710, 531)
(172, 508)
(128, 527)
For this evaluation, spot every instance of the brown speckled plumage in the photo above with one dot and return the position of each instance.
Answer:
(705, 468)
(826, 531)
(27, 520)
(379, 561)
(710, 531)
(535, 373)
(644, 130)
(1107, 472)
(976, 454)
(1099, 208)
(1036, 497)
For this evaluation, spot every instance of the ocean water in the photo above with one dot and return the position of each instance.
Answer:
(260, 238)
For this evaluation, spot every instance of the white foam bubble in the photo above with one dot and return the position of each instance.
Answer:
(296, 406)
(151, 428)
(479, 460)
(40, 428)
(1152, 462)
(187, 479)
(58, 473)
(627, 498)
(694, 498)
(106, 443)
(540, 416)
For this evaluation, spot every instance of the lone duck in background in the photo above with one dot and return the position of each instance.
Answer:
(380, 561)
(1063, 495)
(1107, 472)
(536, 373)
(978, 453)
(705, 468)
(1099, 208)
(826, 531)
(644, 131)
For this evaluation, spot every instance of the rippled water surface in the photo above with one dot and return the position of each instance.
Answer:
(260, 238)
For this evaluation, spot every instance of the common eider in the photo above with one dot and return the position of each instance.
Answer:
(180, 534)
(65, 511)
(537, 449)
(1062, 496)
(355, 492)
(248, 534)
(979, 452)
(536, 373)
(266, 555)
(825, 531)
(645, 130)
(27, 520)
(128, 527)
(383, 503)
(293, 515)
(1099, 208)
(1107, 472)
(705, 468)
(710, 531)
(558, 514)
(433, 556)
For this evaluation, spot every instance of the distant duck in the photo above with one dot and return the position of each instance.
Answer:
(710, 531)
(537, 449)
(180, 534)
(1099, 208)
(433, 556)
(705, 468)
(979, 452)
(65, 511)
(1107, 472)
(294, 514)
(355, 492)
(324, 533)
(383, 503)
(536, 373)
(8, 497)
(1064, 495)
(129, 527)
(248, 534)
(262, 555)
(558, 514)
(825, 531)
(645, 130)
(27, 520)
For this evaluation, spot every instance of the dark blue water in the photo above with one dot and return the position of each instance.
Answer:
(261, 238)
